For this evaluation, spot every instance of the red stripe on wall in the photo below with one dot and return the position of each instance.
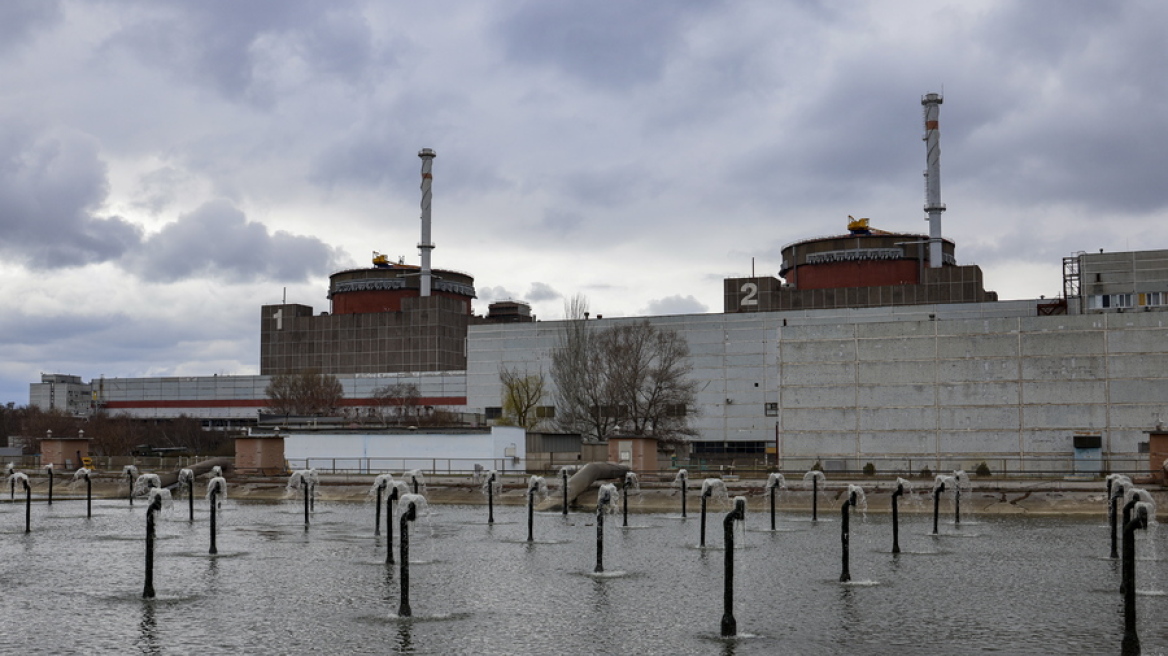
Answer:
(262, 403)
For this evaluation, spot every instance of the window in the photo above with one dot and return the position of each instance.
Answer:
(675, 410)
(545, 412)
(1121, 300)
(1154, 298)
(494, 413)
(772, 409)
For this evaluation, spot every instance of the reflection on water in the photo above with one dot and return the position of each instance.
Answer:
(1004, 584)
(405, 637)
(147, 641)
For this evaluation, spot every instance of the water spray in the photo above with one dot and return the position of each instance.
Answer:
(216, 491)
(396, 491)
(901, 486)
(630, 481)
(816, 477)
(605, 503)
(774, 482)
(938, 489)
(187, 477)
(681, 480)
(131, 473)
(379, 486)
(413, 504)
(22, 478)
(535, 485)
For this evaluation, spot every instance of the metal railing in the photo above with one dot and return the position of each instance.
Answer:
(1051, 465)
(428, 466)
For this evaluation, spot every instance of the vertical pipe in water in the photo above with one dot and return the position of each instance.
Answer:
(704, 497)
(815, 498)
(304, 485)
(625, 501)
(393, 494)
(214, 494)
(729, 624)
(88, 495)
(531, 513)
(1117, 492)
(154, 507)
(895, 520)
(599, 537)
(845, 536)
(564, 487)
(27, 506)
(937, 505)
(377, 516)
(410, 513)
(773, 506)
(191, 498)
(491, 499)
(50, 468)
(1131, 639)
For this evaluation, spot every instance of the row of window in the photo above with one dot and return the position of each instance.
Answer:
(1131, 300)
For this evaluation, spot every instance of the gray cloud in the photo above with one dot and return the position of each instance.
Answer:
(50, 187)
(20, 19)
(497, 293)
(609, 44)
(216, 240)
(223, 44)
(677, 304)
(542, 292)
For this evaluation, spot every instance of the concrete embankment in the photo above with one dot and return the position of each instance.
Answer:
(987, 496)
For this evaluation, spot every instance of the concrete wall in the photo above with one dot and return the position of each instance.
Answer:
(373, 452)
(973, 379)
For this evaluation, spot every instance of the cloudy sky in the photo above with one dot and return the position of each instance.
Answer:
(168, 166)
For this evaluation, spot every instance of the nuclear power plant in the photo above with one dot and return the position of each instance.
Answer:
(874, 343)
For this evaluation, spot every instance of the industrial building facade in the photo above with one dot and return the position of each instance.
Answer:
(972, 381)
(994, 379)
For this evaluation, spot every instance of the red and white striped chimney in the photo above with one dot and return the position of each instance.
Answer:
(933, 205)
(426, 246)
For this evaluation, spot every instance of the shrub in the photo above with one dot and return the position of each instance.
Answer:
(982, 469)
(869, 469)
(926, 473)
(817, 466)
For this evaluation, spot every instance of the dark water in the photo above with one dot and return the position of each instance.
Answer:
(1003, 585)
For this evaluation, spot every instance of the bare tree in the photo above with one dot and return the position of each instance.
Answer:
(306, 393)
(398, 402)
(649, 375)
(629, 376)
(522, 394)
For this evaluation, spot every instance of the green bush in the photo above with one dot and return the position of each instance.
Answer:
(982, 469)
(926, 473)
(869, 469)
(817, 466)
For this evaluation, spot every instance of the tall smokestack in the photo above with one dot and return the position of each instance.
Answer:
(933, 205)
(426, 246)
